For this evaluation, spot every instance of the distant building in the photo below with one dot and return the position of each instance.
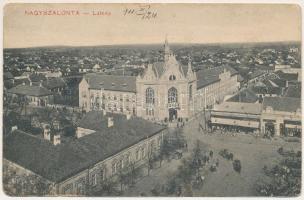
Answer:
(77, 166)
(165, 91)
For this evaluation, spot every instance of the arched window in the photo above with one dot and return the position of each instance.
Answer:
(190, 92)
(150, 99)
(172, 95)
(172, 78)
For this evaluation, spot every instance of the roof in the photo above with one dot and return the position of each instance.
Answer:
(208, 76)
(240, 78)
(287, 104)
(245, 96)
(267, 90)
(7, 75)
(159, 68)
(293, 91)
(256, 74)
(55, 82)
(30, 90)
(287, 76)
(111, 82)
(238, 107)
(279, 82)
(57, 163)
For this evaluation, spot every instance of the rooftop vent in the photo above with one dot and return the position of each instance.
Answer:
(56, 139)
(110, 122)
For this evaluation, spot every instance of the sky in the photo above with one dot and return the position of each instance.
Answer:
(182, 23)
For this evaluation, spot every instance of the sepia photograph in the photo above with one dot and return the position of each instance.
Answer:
(151, 100)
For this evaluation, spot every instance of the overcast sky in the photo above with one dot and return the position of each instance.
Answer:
(191, 23)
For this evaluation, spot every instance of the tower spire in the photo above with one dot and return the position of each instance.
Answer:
(167, 49)
(189, 66)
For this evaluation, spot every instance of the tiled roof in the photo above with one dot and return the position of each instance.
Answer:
(51, 83)
(287, 76)
(245, 96)
(240, 78)
(207, 76)
(279, 82)
(159, 68)
(287, 104)
(256, 74)
(30, 90)
(112, 82)
(237, 107)
(59, 162)
(293, 91)
(8, 75)
(267, 90)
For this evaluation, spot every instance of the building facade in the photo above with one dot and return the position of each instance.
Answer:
(237, 115)
(165, 91)
(83, 165)
(281, 116)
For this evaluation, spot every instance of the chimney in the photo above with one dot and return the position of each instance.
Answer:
(286, 84)
(30, 83)
(128, 116)
(40, 84)
(14, 128)
(104, 112)
(110, 122)
(47, 133)
(56, 139)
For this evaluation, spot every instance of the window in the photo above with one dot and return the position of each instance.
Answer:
(68, 189)
(80, 186)
(190, 92)
(113, 168)
(94, 179)
(172, 78)
(150, 96)
(172, 95)
(143, 153)
(127, 159)
(120, 164)
(159, 141)
(137, 154)
(102, 174)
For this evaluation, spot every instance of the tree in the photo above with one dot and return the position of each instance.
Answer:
(151, 159)
(123, 178)
(134, 172)
(164, 151)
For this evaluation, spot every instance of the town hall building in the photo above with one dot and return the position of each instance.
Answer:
(165, 91)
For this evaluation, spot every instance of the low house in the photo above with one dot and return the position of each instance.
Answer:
(237, 115)
(106, 143)
(34, 95)
(281, 116)
(56, 85)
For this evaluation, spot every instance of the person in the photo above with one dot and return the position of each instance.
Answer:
(211, 154)
(217, 162)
